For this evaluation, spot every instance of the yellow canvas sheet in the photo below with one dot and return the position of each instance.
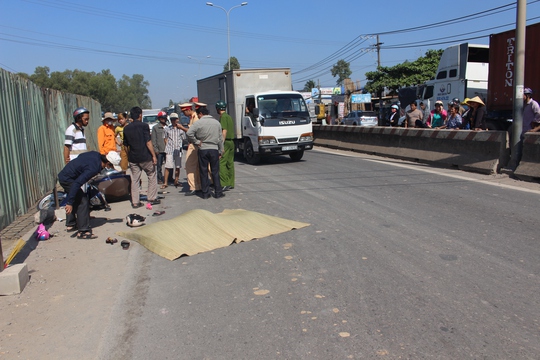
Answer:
(199, 230)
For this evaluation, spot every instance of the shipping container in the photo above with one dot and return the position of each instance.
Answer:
(502, 54)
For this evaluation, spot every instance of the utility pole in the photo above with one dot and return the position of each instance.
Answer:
(519, 77)
(378, 66)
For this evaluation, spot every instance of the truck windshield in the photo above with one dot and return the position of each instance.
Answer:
(282, 106)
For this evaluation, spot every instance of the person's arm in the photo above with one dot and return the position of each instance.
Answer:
(101, 139)
(67, 151)
(459, 121)
(165, 135)
(221, 139)
(181, 127)
(150, 147)
(428, 120)
(535, 129)
(88, 173)
(536, 111)
(68, 142)
(154, 140)
(117, 137)
(192, 135)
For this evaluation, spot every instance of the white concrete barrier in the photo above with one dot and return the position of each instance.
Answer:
(478, 151)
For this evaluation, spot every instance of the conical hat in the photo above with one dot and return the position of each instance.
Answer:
(477, 99)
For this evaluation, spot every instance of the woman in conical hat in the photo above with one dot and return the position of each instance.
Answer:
(477, 119)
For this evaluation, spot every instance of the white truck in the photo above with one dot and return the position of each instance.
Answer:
(269, 118)
(462, 72)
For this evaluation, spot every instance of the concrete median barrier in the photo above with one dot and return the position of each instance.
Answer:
(529, 166)
(478, 151)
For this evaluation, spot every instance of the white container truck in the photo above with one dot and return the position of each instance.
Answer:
(269, 118)
(462, 72)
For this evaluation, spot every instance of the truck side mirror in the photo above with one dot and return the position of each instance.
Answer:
(256, 112)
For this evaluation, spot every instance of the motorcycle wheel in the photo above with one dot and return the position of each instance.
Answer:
(48, 201)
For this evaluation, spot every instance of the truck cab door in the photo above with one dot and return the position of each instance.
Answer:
(250, 120)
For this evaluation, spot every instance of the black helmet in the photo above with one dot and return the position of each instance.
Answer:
(80, 111)
(221, 105)
(456, 101)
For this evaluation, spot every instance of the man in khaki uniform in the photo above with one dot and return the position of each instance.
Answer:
(192, 158)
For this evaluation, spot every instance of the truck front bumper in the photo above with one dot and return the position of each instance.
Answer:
(280, 149)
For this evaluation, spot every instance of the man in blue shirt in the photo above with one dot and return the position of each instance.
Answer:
(73, 177)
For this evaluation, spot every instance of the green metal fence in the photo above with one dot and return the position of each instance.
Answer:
(32, 126)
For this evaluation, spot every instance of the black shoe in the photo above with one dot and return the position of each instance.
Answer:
(218, 196)
(191, 193)
(204, 197)
(136, 206)
(155, 202)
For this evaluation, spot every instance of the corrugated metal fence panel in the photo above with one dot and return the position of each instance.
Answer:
(33, 122)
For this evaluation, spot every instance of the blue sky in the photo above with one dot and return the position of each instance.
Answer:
(155, 38)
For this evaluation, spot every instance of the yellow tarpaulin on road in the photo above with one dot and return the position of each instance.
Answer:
(199, 230)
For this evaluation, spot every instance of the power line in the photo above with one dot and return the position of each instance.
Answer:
(431, 42)
(454, 20)
(90, 10)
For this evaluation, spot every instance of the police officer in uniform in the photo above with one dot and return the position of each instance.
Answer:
(226, 162)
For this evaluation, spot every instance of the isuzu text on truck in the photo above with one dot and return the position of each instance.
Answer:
(269, 118)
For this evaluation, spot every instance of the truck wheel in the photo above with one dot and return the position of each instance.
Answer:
(48, 201)
(249, 153)
(296, 156)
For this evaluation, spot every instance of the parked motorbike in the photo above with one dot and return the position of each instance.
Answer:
(109, 186)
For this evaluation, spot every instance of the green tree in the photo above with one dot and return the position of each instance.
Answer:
(235, 64)
(24, 75)
(133, 92)
(404, 74)
(103, 86)
(114, 95)
(41, 76)
(310, 84)
(342, 69)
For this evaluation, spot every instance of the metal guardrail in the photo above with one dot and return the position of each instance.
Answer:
(33, 122)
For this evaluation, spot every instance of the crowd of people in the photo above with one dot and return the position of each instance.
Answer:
(131, 145)
(469, 114)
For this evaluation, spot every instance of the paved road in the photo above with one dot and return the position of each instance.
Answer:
(399, 262)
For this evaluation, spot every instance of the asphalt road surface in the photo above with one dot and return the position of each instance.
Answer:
(401, 261)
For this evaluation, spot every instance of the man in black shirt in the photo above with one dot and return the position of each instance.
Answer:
(141, 157)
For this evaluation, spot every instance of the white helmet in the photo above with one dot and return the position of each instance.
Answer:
(135, 220)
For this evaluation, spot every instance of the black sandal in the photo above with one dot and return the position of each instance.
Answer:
(86, 235)
(71, 228)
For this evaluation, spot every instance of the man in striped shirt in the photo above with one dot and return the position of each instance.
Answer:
(173, 149)
(75, 140)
